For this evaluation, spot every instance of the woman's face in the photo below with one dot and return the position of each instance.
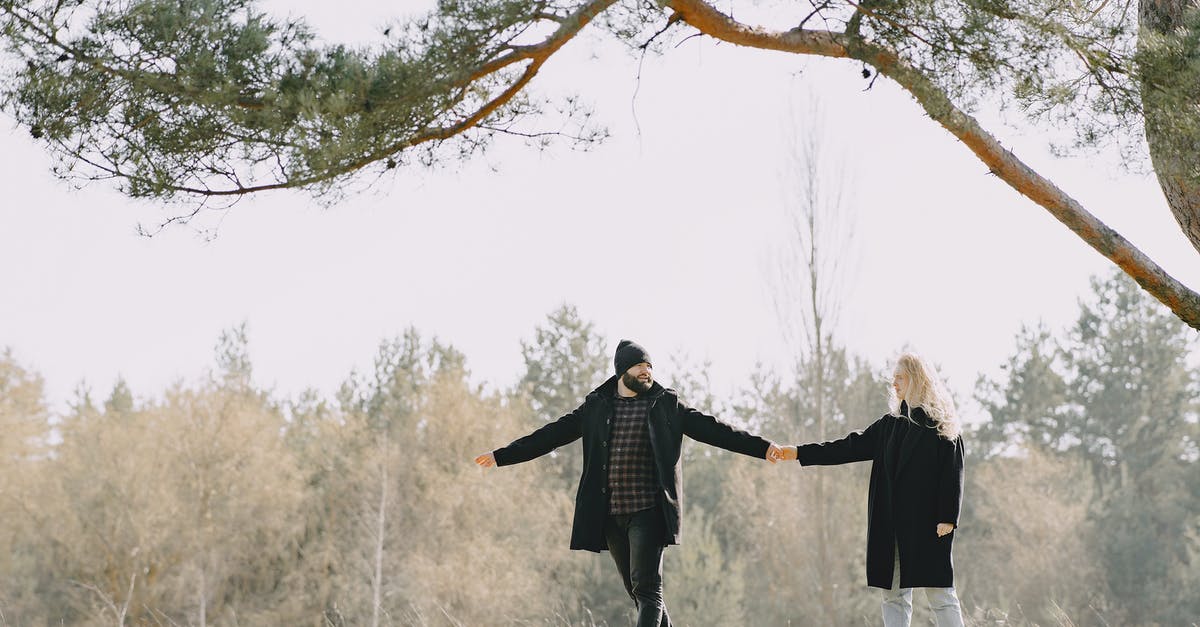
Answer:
(900, 382)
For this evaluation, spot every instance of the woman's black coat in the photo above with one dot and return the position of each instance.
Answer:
(916, 483)
(668, 420)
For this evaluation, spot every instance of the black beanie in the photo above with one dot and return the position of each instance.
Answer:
(629, 354)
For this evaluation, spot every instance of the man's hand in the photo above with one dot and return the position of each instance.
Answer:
(944, 528)
(789, 454)
(487, 460)
(774, 453)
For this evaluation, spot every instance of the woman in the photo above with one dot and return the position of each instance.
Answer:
(916, 490)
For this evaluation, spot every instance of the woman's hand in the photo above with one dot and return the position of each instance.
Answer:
(944, 529)
(789, 454)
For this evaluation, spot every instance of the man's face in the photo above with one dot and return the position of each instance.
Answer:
(639, 378)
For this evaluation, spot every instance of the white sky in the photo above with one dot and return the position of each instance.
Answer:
(661, 236)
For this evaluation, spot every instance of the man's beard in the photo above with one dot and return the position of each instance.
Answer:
(636, 384)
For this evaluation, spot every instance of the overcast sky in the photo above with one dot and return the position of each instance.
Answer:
(662, 234)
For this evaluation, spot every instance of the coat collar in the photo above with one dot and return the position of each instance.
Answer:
(608, 389)
(916, 415)
(919, 419)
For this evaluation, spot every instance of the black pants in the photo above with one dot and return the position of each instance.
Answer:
(636, 542)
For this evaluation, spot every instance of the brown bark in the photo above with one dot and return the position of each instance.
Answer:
(1182, 301)
(1173, 147)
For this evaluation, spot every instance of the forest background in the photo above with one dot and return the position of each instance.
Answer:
(217, 501)
(146, 483)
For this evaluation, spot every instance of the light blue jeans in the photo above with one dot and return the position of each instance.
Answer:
(898, 609)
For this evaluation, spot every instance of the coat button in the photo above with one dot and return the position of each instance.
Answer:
(603, 490)
(604, 467)
(604, 444)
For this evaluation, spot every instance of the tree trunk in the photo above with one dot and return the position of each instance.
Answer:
(380, 529)
(814, 277)
(1171, 122)
(827, 603)
(203, 600)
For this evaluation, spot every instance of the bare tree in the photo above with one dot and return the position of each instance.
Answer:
(119, 612)
(380, 533)
(810, 269)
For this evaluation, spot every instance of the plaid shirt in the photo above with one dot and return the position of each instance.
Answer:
(631, 477)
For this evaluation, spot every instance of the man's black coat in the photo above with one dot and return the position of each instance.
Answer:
(668, 420)
(916, 483)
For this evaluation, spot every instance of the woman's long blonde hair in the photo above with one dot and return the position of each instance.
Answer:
(925, 390)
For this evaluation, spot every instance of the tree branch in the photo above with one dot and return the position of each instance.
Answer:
(569, 27)
(533, 55)
(537, 54)
(1184, 302)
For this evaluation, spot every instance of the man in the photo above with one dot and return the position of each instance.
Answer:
(630, 494)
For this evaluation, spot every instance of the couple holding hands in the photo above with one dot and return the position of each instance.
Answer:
(629, 498)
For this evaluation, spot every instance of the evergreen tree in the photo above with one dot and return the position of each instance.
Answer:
(213, 98)
(1133, 401)
(564, 361)
(1028, 408)
(1119, 398)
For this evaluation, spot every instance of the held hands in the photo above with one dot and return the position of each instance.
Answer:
(944, 528)
(776, 453)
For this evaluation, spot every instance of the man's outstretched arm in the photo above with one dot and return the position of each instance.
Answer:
(708, 429)
(545, 439)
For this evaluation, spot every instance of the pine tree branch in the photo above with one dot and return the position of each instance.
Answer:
(1184, 302)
